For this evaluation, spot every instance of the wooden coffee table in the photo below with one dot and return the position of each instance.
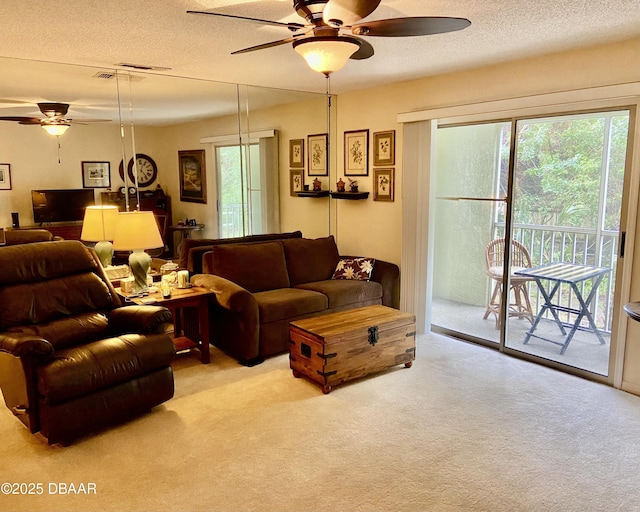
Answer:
(338, 347)
(190, 310)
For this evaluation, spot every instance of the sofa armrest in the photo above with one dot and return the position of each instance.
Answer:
(227, 294)
(139, 319)
(235, 314)
(25, 346)
(388, 275)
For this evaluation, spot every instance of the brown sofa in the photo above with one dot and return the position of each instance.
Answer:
(260, 287)
(72, 360)
(193, 250)
(28, 236)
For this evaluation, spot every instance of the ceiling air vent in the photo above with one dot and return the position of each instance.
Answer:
(109, 75)
(104, 75)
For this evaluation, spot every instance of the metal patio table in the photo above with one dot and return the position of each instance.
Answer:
(571, 274)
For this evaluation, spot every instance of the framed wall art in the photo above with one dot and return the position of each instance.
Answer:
(384, 148)
(356, 153)
(296, 181)
(96, 174)
(317, 154)
(383, 184)
(296, 153)
(5, 177)
(193, 176)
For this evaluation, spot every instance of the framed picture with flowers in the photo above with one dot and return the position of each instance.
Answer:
(296, 181)
(296, 153)
(383, 184)
(384, 148)
(356, 153)
(317, 154)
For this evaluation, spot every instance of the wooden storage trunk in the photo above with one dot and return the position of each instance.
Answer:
(338, 347)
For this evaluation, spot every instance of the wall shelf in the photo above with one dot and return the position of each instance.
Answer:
(350, 195)
(313, 193)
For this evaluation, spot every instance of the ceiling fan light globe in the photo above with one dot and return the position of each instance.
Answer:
(56, 129)
(326, 54)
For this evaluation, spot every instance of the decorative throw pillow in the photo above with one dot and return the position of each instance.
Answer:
(359, 269)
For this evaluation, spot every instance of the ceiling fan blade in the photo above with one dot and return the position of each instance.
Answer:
(21, 120)
(402, 27)
(291, 26)
(271, 44)
(346, 12)
(365, 51)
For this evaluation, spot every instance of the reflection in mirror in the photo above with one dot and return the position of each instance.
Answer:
(39, 160)
(156, 116)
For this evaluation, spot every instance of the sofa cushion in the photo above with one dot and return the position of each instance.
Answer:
(192, 250)
(286, 303)
(255, 267)
(345, 292)
(359, 269)
(310, 260)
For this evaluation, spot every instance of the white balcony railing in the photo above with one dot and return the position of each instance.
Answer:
(231, 221)
(547, 244)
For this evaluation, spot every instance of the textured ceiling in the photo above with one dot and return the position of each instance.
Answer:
(160, 33)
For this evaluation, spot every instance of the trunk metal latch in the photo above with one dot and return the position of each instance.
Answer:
(374, 336)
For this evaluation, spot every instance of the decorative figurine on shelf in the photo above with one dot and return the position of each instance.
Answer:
(353, 185)
(340, 185)
(317, 185)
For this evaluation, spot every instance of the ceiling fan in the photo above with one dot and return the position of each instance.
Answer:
(54, 121)
(324, 41)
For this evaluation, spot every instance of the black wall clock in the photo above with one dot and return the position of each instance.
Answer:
(146, 167)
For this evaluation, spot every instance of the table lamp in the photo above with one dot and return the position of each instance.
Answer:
(137, 231)
(99, 226)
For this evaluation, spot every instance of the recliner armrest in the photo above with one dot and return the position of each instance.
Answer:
(139, 319)
(25, 345)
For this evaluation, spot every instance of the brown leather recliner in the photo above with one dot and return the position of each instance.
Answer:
(72, 358)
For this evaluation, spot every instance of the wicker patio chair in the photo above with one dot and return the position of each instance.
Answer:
(520, 306)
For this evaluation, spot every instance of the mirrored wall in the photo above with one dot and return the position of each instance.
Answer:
(240, 136)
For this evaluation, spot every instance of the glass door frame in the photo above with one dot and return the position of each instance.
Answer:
(622, 283)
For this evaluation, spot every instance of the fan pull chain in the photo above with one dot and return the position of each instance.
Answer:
(58, 141)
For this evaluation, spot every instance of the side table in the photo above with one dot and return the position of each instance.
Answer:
(188, 332)
(185, 232)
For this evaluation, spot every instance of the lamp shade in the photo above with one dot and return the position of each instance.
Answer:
(136, 231)
(326, 54)
(99, 223)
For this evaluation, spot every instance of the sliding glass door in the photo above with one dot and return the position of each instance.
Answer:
(470, 198)
(543, 195)
(239, 190)
(568, 185)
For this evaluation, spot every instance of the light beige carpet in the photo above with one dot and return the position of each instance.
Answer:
(465, 429)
